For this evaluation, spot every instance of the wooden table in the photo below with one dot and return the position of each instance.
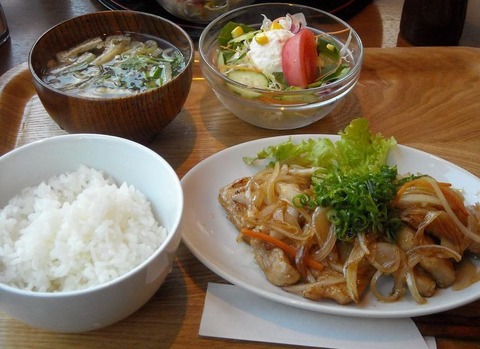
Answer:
(427, 98)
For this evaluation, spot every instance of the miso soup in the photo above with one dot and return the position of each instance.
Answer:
(114, 66)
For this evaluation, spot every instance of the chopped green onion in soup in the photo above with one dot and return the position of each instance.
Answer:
(114, 66)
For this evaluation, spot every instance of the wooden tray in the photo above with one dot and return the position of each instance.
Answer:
(22, 117)
(427, 98)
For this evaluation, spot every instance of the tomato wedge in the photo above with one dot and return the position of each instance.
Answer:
(299, 59)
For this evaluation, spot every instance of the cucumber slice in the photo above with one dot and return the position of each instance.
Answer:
(244, 37)
(220, 60)
(250, 79)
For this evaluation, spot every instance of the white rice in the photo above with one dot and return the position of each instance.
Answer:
(75, 231)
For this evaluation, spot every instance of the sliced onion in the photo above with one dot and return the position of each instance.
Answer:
(427, 220)
(331, 280)
(300, 260)
(277, 214)
(361, 237)
(254, 196)
(305, 214)
(385, 257)
(270, 184)
(350, 271)
(412, 287)
(294, 23)
(417, 199)
(325, 233)
(287, 191)
(327, 246)
(453, 216)
(333, 261)
(416, 253)
(392, 297)
(291, 215)
(269, 211)
(288, 230)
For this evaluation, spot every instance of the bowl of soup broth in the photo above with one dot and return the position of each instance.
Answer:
(122, 73)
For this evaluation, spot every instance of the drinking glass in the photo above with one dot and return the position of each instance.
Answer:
(4, 34)
(433, 22)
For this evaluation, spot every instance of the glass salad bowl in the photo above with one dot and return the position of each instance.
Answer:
(201, 11)
(246, 89)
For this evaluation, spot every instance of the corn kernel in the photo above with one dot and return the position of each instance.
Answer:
(237, 31)
(330, 47)
(261, 38)
(276, 25)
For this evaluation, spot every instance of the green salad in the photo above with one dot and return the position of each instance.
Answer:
(283, 54)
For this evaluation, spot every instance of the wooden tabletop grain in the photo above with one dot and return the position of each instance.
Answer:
(427, 98)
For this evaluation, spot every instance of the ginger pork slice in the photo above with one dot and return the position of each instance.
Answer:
(232, 198)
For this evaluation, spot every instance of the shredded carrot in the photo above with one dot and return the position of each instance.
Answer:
(272, 100)
(454, 199)
(419, 182)
(291, 251)
(333, 33)
(409, 184)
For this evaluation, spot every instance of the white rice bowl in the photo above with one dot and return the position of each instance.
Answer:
(60, 252)
(75, 231)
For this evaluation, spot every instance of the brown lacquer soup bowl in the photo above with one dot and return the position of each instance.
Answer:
(158, 92)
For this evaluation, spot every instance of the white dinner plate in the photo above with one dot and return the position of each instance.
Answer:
(212, 238)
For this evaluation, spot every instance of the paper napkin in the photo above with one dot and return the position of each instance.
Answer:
(234, 313)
